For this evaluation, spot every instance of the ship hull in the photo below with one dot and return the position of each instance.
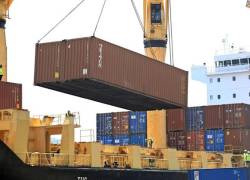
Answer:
(12, 168)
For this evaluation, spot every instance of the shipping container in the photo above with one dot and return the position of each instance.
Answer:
(237, 139)
(177, 139)
(120, 123)
(214, 140)
(137, 122)
(176, 119)
(221, 174)
(214, 117)
(122, 140)
(195, 141)
(236, 116)
(10, 95)
(105, 139)
(138, 139)
(104, 124)
(98, 70)
(195, 118)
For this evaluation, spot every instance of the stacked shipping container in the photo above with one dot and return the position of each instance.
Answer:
(210, 128)
(122, 128)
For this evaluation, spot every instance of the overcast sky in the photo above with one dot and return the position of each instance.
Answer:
(198, 28)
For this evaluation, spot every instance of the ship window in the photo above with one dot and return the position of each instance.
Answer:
(227, 63)
(244, 61)
(248, 76)
(219, 96)
(211, 97)
(234, 78)
(249, 94)
(235, 62)
(211, 80)
(156, 13)
(221, 64)
(218, 79)
(234, 95)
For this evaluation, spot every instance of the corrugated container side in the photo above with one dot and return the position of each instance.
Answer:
(104, 124)
(138, 139)
(10, 95)
(98, 70)
(105, 139)
(120, 124)
(195, 119)
(137, 122)
(214, 117)
(195, 141)
(176, 119)
(237, 139)
(121, 140)
(236, 116)
(214, 140)
(177, 139)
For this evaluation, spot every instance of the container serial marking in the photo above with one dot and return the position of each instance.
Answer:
(100, 57)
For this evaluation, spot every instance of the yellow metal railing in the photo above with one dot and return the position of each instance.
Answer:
(114, 160)
(153, 163)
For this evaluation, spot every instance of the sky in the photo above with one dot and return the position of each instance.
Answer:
(198, 29)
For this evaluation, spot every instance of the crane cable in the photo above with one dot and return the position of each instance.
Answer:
(99, 17)
(59, 22)
(142, 26)
(171, 50)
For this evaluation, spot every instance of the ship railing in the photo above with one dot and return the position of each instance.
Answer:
(227, 69)
(152, 162)
(114, 160)
(57, 119)
(185, 163)
(57, 159)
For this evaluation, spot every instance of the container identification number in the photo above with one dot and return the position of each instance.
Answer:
(100, 56)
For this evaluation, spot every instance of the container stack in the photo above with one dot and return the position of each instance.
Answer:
(195, 128)
(122, 128)
(104, 128)
(138, 128)
(177, 136)
(237, 127)
(214, 124)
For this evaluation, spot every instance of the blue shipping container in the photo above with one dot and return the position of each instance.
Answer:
(221, 174)
(104, 124)
(138, 122)
(195, 118)
(121, 140)
(214, 140)
(138, 139)
(105, 139)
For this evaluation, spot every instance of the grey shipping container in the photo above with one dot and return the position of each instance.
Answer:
(10, 95)
(98, 70)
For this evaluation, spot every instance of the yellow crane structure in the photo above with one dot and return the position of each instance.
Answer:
(4, 7)
(156, 15)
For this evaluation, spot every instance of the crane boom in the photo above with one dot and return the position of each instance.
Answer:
(156, 15)
(4, 7)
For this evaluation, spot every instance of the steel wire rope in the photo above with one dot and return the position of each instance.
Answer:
(99, 18)
(59, 22)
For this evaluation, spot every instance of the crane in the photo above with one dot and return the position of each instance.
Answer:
(4, 7)
(156, 16)
(248, 4)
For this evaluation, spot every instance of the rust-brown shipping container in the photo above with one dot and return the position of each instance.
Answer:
(175, 119)
(10, 95)
(195, 141)
(236, 116)
(214, 117)
(98, 70)
(120, 123)
(177, 139)
(237, 139)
